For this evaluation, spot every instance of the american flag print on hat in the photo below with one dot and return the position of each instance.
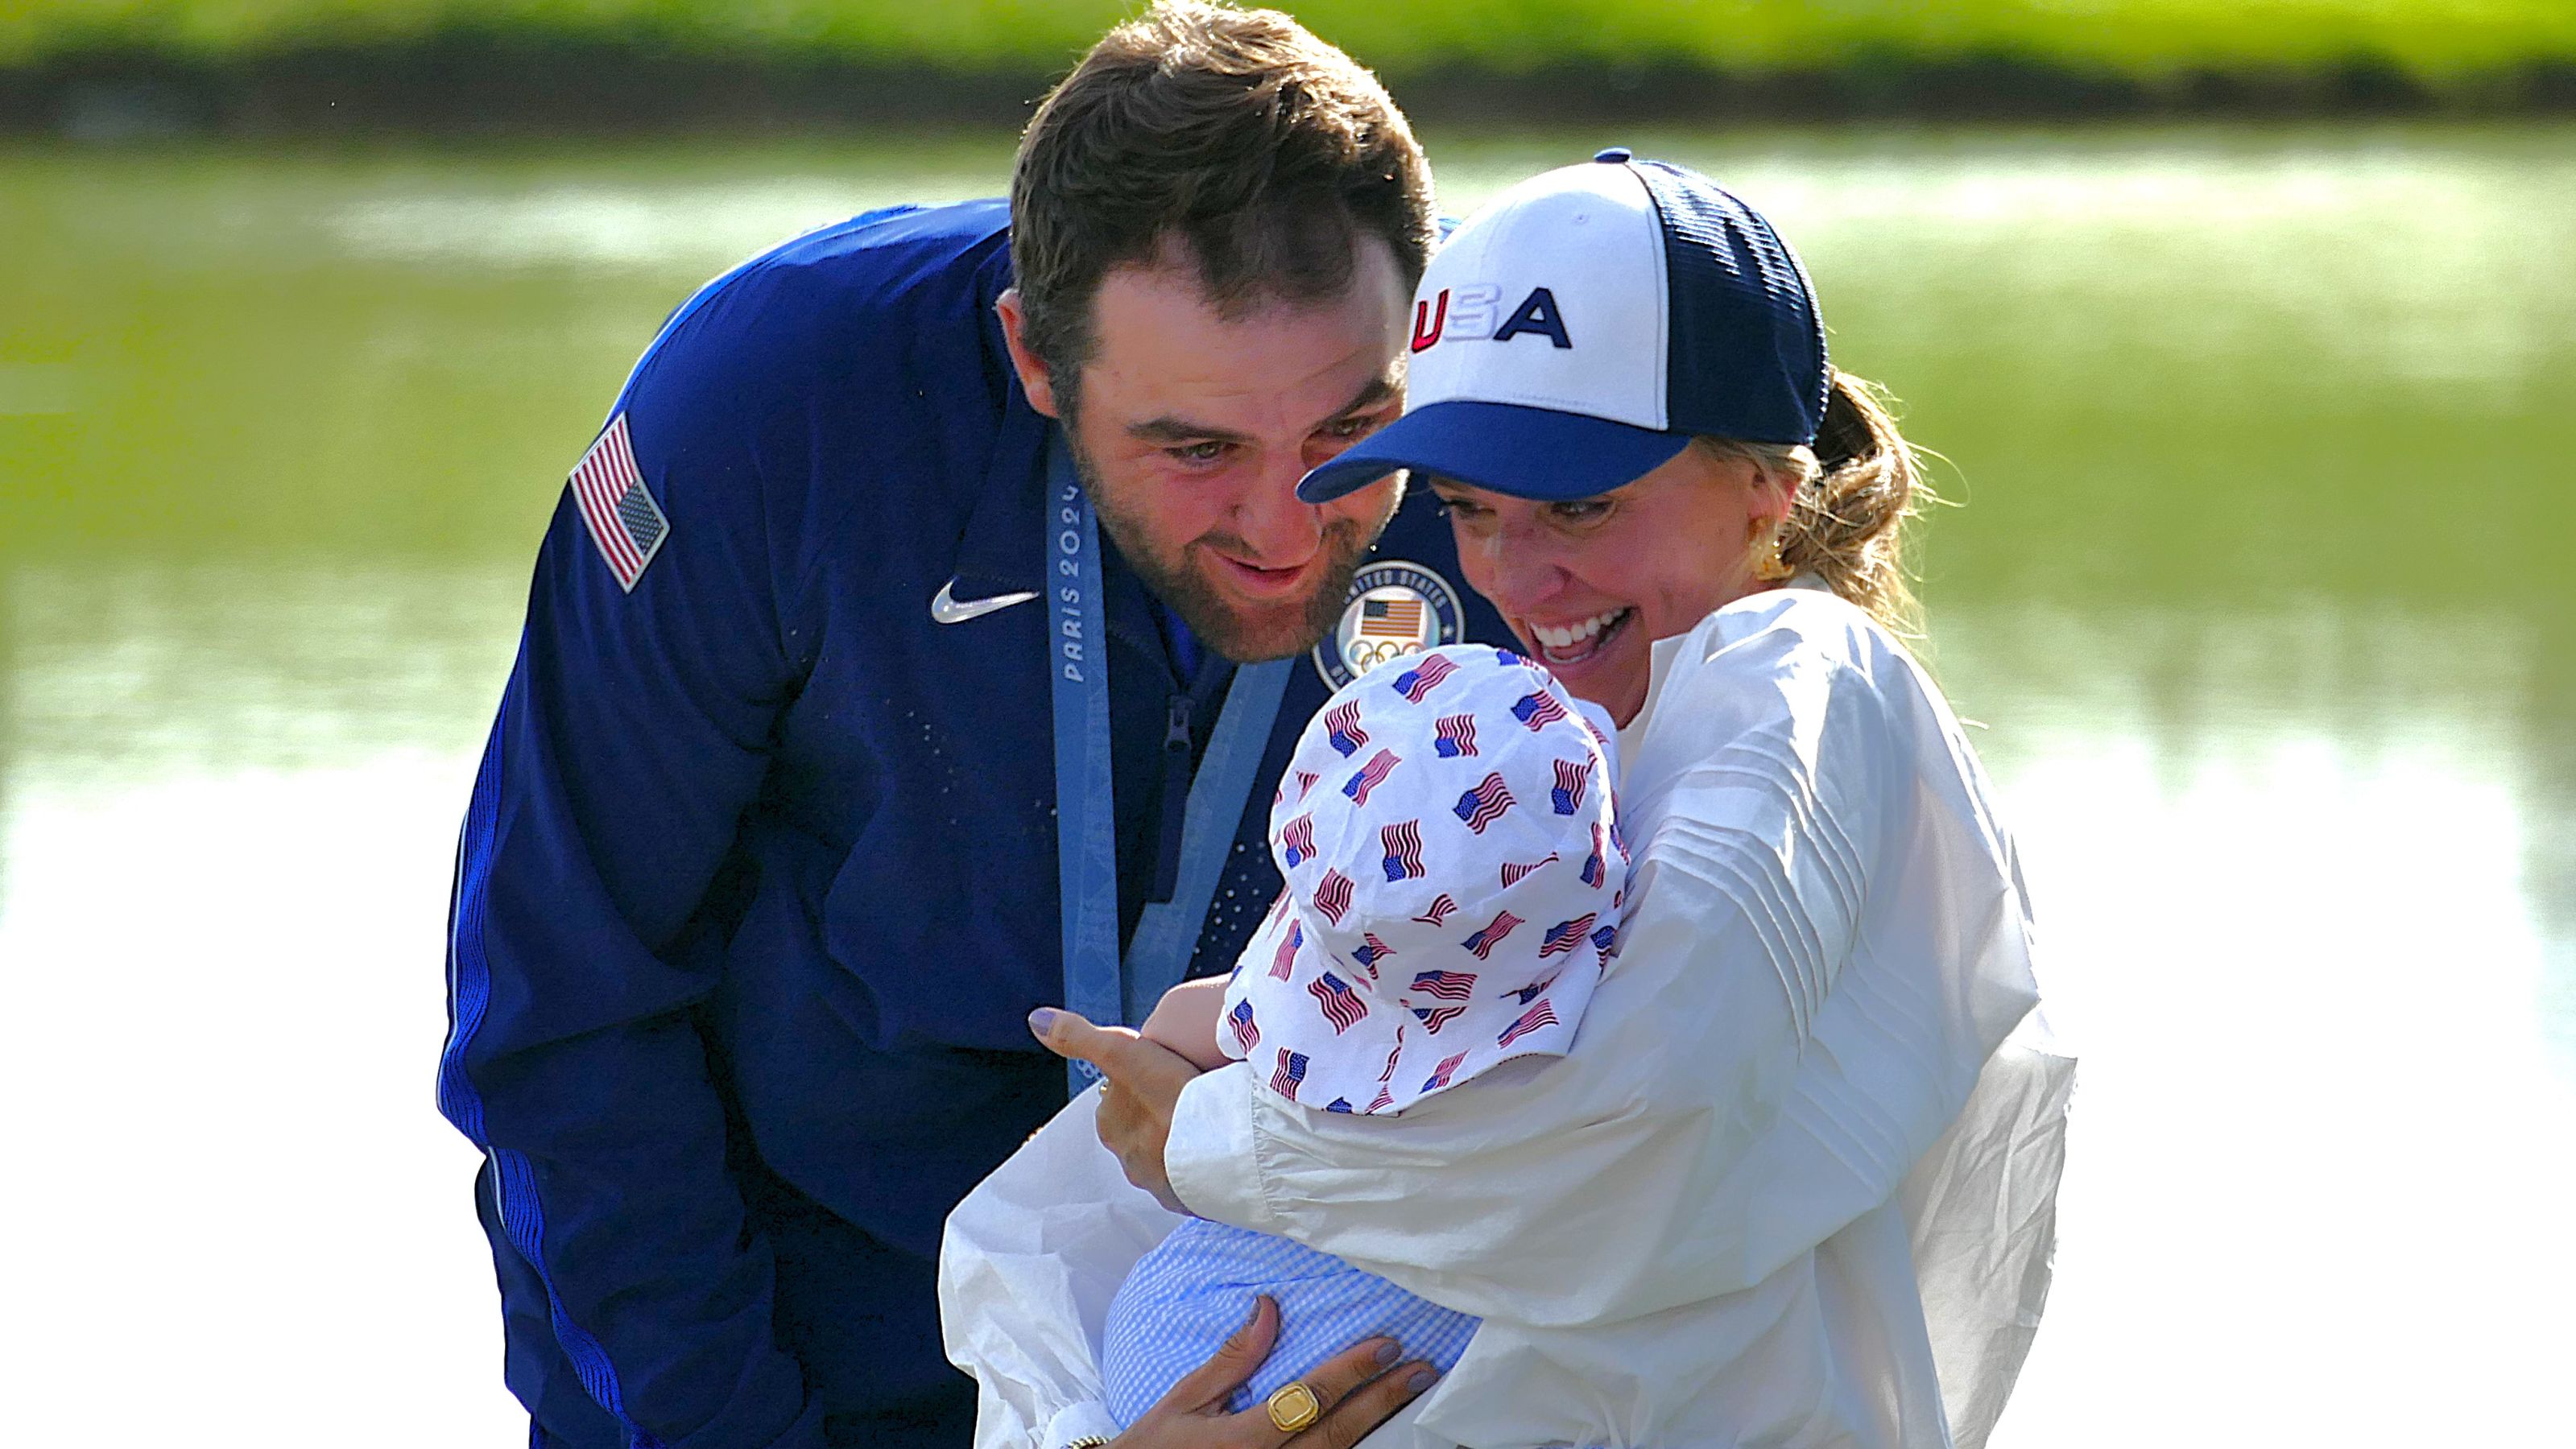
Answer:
(1342, 1006)
(1564, 936)
(1297, 840)
(1403, 842)
(1283, 962)
(1538, 710)
(1440, 1075)
(1342, 729)
(1540, 1015)
(1290, 1074)
(1412, 947)
(1394, 1055)
(1371, 775)
(1333, 896)
(1571, 778)
(1454, 735)
(1425, 677)
(1371, 951)
(1446, 985)
(1491, 934)
(624, 522)
(1484, 803)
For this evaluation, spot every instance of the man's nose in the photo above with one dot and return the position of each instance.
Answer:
(1281, 530)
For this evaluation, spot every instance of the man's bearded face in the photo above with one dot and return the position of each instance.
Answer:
(1238, 608)
(1191, 429)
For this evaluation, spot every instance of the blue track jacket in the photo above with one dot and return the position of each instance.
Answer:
(758, 881)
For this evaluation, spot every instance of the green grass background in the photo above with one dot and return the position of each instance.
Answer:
(2439, 42)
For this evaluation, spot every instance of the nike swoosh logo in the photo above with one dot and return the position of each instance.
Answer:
(947, 610)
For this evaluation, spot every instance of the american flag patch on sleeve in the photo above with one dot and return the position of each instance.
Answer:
(624, 520)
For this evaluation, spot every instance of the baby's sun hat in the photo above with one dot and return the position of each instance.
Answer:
(1454, 881)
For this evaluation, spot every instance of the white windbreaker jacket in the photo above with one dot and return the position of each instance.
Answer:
(1796, 1183)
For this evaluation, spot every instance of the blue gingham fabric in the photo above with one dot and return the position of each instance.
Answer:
(1184, 1299)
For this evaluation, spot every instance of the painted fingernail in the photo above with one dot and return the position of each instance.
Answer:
(1389, 1351)
(1042, 1020)
(1422, 1380)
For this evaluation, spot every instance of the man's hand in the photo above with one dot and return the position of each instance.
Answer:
(1357, 1389)
(1144, 1085)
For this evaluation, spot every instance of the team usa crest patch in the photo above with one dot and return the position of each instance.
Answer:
(624, 521)
(1396, 608)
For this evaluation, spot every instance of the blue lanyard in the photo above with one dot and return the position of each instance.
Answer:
(1096, 982)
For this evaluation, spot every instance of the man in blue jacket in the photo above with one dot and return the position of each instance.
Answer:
(840, 737)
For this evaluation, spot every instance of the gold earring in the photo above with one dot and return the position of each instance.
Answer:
(1768, 564)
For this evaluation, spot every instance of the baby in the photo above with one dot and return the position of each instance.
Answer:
(1454, 881)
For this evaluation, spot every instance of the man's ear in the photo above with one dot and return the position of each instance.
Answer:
(1034, 378)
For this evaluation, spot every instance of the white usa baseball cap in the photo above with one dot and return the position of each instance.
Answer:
(1574, 335)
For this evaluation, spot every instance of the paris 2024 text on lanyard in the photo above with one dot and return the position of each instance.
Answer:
(1097, 983)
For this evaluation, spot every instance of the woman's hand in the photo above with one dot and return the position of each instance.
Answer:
(1358, 1389)
(1144, 1086)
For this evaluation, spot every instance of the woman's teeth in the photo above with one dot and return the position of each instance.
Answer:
(1572, 643)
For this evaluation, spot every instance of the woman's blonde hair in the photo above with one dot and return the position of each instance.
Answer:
(1854, 491)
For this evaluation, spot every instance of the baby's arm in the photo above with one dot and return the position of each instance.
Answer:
(1185, 1021)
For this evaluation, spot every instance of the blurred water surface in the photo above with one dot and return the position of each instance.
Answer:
(2262, 592)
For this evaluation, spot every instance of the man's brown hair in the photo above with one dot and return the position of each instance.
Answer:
(1234, 138)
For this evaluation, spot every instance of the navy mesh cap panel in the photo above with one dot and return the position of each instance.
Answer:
(1747, 346)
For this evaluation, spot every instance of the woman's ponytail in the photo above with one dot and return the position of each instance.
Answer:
(1847, 525)
(1852, 494)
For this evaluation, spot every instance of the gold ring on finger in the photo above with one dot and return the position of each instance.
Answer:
(1293, 1406)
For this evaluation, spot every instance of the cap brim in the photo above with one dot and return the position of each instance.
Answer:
(1526, 452)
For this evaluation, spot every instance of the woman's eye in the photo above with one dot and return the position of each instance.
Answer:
(1581, 510)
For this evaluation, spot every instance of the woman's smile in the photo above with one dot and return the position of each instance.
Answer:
(1566, 644)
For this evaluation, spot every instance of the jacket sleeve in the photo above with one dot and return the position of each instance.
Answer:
(1755, 1070)
(587, 922)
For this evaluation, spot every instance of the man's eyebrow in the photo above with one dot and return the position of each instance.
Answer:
(1378, 390)
(1170, 430)
(1181, 430)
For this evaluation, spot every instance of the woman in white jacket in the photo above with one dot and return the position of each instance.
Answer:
(1792, 1186)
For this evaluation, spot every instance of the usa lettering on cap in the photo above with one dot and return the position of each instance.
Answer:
(1473, 320)
(1577, 331)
